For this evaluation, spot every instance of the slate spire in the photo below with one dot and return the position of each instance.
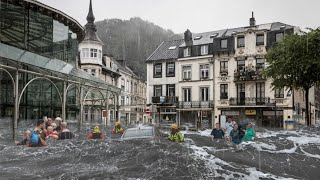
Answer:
(90, 27)
(90, 20)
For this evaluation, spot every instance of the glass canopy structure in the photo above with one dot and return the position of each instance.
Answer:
(38, 65)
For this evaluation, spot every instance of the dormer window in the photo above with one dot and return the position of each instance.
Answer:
(279, 36)
(186, 52)
(204, 50)
(198, 37)
(223, 43)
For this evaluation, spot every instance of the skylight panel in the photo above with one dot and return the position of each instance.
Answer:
(198, 37)
(214, 35)
(172, 47)
(282, 26)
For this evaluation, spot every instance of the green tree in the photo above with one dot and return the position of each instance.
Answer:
(295, 63)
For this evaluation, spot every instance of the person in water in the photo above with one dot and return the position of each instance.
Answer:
(65, 132)
(58, 121)
(250, 133)
(117, 128)
(175, 135)
(50, 133)
(96, 134)
(40, 130)
(235, 134)
(26, 139)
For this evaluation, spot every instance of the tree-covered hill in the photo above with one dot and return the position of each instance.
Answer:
(132, 40)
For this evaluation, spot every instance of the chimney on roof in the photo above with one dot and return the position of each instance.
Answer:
(188, 37)
(252, 21)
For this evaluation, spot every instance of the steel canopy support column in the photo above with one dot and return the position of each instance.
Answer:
(118, 110)
(16, 105)
(107, 121)
(64, 100)
(81, 106)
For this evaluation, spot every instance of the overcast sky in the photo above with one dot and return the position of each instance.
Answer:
(197, 15)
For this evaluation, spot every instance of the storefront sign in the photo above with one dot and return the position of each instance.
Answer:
(231, 113)
(271, 113)
(250, 112)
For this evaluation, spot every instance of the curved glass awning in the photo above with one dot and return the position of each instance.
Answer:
(53, 67)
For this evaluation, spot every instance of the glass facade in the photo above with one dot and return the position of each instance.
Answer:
(24, 27)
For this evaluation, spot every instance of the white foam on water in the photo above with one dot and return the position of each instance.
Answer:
(213, 164)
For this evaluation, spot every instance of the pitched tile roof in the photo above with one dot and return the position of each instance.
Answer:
(166, 50)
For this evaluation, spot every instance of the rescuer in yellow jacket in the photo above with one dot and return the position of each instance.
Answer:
(175, 134)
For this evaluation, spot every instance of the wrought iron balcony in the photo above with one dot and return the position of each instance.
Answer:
(195, 104)
(248, 74)
(249, 101)
(165, 99)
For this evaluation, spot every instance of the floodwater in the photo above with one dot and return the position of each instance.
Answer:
(271, 157)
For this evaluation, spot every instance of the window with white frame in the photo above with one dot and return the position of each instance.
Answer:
(157, 70)
(186, 72)
(99, 54)
(186, 52)
(127, 86)
(93, 53)
(240, 42)
(223, 43)
(204, 49)
(85, 52)
(279, 36)
(85, 70)
(223, 91)
(122, 84)
(122, 100)
(260, 39)
(279, 93)
(260, 64)
(204, 93)
(157, 90)
(170, 89)
(223, 66)
(170, 69)
(186, 94)
(204, 71)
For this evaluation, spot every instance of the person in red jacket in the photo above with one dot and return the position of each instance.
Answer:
(96, 134)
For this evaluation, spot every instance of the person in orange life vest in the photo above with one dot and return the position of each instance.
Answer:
(96, 134)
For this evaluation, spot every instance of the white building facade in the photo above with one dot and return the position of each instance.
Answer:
(218, 74)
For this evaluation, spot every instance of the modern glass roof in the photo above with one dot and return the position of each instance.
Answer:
(52, 67)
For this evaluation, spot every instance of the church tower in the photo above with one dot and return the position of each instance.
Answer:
(91, 47)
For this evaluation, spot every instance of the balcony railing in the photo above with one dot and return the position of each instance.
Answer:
(249, 101)
(195, 104)
(165, 99)
(248, 74)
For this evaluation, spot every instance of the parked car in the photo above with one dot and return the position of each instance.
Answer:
(142, 132)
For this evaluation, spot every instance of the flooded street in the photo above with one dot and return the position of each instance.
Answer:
(274, 155)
